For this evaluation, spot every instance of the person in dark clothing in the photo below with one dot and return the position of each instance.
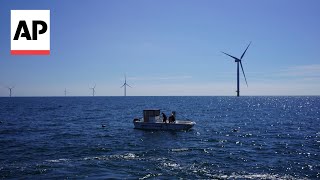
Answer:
(164, 118)
(172, 119)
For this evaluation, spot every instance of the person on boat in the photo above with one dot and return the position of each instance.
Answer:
(172, 119)
(164, 118)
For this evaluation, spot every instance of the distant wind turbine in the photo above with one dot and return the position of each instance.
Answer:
(10, 90)
(239, 61)
(125, 85)
(65, 91)
(93, 90)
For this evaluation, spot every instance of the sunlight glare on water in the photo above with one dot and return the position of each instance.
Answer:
(234, 138)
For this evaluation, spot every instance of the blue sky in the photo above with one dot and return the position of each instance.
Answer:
(168, 48)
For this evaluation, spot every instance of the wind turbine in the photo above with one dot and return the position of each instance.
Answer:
(65, 91)
(10, 90)
(125, 85)
(239, 61)
(93, 90)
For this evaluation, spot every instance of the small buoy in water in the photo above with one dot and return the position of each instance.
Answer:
(0, 122)
(235, 130)
(103, 125)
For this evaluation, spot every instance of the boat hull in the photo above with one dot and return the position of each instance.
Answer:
(178, 125)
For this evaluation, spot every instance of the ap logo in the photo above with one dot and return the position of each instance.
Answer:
(30, 32)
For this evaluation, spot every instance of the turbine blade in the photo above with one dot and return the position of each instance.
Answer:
(243, 73)
(245, 50)
(230, 55)
(128, 85)
(122, 85)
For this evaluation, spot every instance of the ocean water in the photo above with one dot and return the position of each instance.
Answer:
(234, 138)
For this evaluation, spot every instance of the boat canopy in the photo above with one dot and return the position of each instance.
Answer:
(151, 115)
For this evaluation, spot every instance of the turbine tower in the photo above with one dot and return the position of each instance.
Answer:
(239, 61)
(65, 91)
(93, 90)
(125, 85)
(10, 90)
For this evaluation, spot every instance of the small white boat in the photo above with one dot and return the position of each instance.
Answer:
(152, 121)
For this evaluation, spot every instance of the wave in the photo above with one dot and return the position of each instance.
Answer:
(58, 160)
(126, 156)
